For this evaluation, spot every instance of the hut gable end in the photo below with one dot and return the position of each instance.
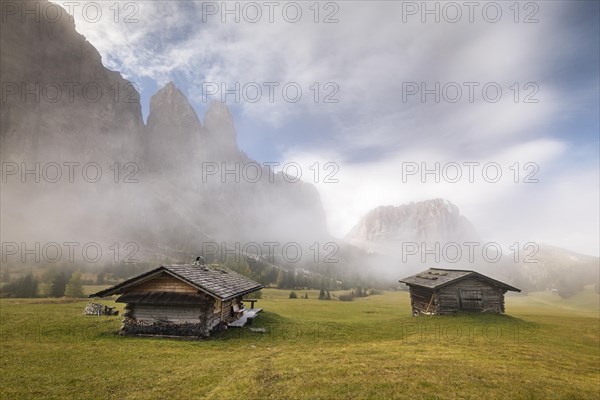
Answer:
(163, 283)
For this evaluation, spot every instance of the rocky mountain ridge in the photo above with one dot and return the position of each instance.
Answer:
(166, 204)
(427, 221)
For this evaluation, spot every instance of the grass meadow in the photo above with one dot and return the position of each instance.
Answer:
(545, 347)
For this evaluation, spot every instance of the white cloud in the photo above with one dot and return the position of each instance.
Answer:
(561, 208)
(368, 64)
(369, 54)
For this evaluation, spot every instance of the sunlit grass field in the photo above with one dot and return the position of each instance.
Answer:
(371, 348)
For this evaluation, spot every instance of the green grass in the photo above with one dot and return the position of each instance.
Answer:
(89, 289)
(370, 348)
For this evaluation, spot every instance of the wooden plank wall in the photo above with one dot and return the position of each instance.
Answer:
(163, 283)
(195, 314)
(175, 314)
(228, 310)
(420, 299)
(492, 296)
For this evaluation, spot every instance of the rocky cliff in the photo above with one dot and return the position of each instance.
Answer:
(60, 104)
(426, 221)
(58, 98)
(173, 137)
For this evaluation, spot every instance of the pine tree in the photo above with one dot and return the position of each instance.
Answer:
(27, 286)
(280, 279)
(290, 280)
(273, 274)
(74, 287)
(58, 283)
(100, 278)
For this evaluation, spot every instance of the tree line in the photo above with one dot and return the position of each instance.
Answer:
(56, 284)
(68, 280)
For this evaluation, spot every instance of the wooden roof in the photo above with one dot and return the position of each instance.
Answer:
(435, 278)
(218, 282)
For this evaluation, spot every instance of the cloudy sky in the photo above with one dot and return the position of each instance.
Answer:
(392, 87)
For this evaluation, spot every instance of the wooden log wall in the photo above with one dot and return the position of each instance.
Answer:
(174, 314)
(228, 311)
(492, 296)
(197, 320)
(447, 300)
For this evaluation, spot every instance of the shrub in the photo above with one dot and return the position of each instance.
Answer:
(74, 287)
(293, 295)
(324, 295)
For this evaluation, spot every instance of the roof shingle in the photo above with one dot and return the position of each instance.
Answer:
(219, 281)
(434, 278)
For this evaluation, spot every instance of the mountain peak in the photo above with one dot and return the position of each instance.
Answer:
(435, 220)
(221, 132)
(170, 90)
(218, 117)
(169, 94)
(173, 132)
(169, 102)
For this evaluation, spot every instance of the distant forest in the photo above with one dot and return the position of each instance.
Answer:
(58, 280)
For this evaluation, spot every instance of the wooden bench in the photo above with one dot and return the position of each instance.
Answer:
(246, 318)
(251, 301)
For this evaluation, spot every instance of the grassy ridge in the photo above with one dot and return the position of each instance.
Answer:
(367, 348)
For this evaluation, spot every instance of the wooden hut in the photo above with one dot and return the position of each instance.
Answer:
(446, 291)
(183, 300)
